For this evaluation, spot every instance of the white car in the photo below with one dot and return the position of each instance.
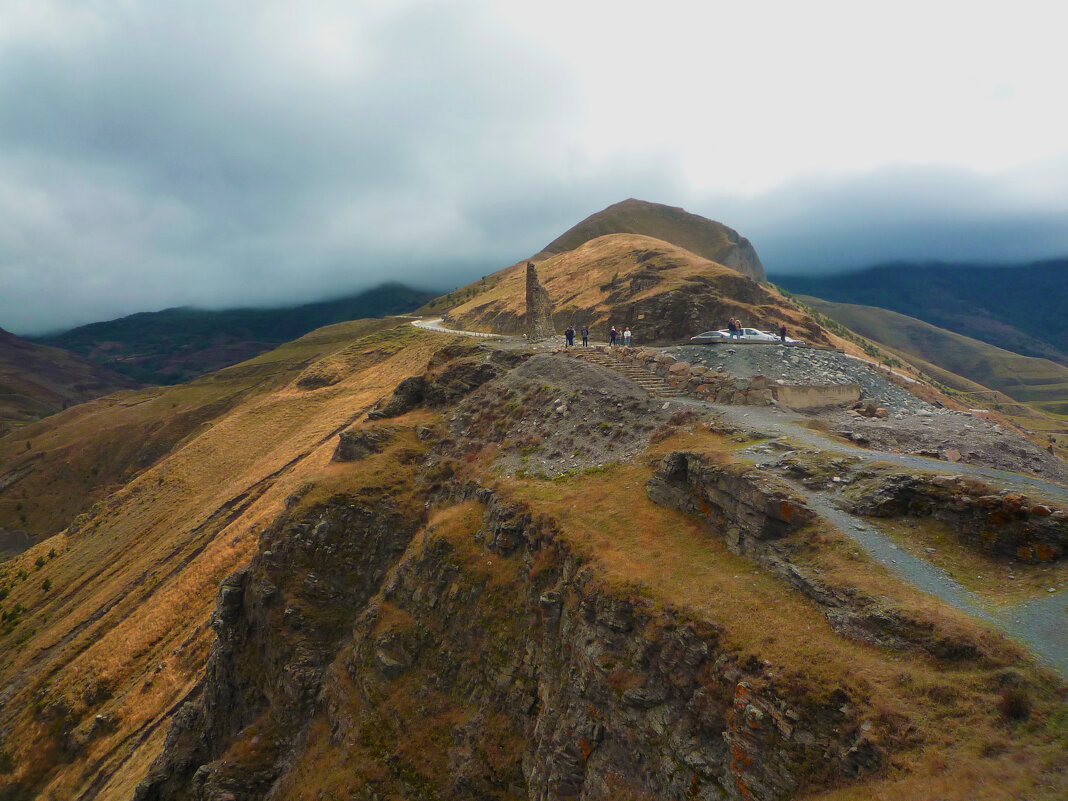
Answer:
(748, 334)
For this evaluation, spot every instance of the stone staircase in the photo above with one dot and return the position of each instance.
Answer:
(639, 374)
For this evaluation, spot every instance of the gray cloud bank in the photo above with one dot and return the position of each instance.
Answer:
(156, 155)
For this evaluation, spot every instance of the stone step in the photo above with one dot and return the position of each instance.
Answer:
(642, 376)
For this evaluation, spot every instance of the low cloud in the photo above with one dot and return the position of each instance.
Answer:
(831, 224)
(244, 153)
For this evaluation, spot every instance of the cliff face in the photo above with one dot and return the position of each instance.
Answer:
(481, 659)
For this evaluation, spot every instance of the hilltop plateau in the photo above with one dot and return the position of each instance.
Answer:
(383, 561)
(662, 291)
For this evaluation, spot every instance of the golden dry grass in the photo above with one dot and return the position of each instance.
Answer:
(583, 279)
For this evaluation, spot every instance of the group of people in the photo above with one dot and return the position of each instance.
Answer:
(569, 336)
(734, 328)
(615, 336)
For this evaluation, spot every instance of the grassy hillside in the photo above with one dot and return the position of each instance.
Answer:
(110, 617)
(1017, 307)
(57, 468)
(706, 238)
(176, 345)
(1039, 382)
(36, 381)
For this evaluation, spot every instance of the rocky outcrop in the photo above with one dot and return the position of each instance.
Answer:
(438, 387)
(278, 624)
(750, 509)
(1005, 524)
(538, 323)
(358, 443)
(695, 380)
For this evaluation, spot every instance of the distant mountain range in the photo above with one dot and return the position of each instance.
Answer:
(176, 345)
(36, 380)
(948, 357)
(1023, 308)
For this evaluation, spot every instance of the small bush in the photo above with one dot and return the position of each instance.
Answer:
(1014, 703)
(39, 563)
(46, 585)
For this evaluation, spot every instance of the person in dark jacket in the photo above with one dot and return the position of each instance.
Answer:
(782, 333)
(585, 337)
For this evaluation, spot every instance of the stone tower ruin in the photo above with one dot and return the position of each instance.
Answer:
(539, 319)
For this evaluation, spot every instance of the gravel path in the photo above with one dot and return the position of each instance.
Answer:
(773, 422)
(913, 426)
(1038, 624)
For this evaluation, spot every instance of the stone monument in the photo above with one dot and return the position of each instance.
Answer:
(539, 319)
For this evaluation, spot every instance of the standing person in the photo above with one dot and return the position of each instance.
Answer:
(782, 333)
(585, 337)
(569, 337)
(626, 337)
(732, 327)
(612, 334)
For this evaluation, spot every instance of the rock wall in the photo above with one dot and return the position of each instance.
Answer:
(278, 624)
(815, 396)
(538, 324)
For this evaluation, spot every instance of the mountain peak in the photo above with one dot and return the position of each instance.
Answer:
(706, 238)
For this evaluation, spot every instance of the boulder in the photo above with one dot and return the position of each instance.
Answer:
(359, 443)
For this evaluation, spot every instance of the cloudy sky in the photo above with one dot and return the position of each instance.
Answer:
(250, 152)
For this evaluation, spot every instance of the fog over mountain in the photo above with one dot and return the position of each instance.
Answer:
(236, 153)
